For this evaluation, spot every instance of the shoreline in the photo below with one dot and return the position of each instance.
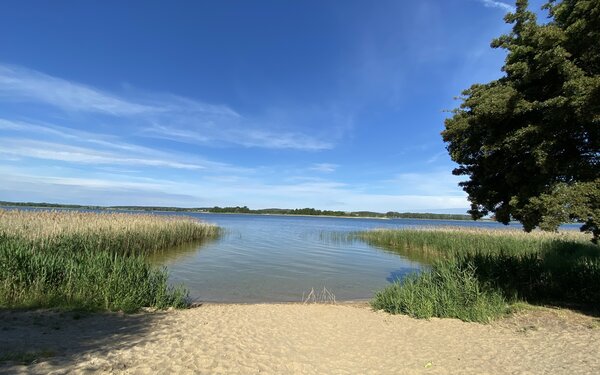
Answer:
(356, 302)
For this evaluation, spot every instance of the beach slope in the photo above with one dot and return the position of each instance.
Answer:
(296, 338)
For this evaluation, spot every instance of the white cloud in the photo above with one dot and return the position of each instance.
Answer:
(435, 157)
(442, 183)
(25, 148)
(38, 184)
(35, 186)
(324, 167)
(282, 140)
(207, 134)
(336, 196)
(158, 115)
(49, 130)
(96, 149)
(18, 83)
(498, 4)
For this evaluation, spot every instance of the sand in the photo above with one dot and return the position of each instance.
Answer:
(298, 339)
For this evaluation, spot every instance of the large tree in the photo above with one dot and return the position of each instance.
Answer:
(530, 141)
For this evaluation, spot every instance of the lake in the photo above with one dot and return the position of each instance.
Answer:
(273, 258)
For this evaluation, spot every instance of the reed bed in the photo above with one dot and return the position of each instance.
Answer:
(450, 242)
(507, 265)
(93, 261)
(123, 233)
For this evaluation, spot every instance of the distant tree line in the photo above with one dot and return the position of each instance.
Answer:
(315, 212)
(90, 207)
(246, 210)
(48, 205)
(416, 215)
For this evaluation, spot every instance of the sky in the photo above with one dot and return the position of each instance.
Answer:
(326, 104)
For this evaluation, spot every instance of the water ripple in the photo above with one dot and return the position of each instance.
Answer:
(277, 258)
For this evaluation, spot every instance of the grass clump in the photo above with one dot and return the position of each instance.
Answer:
(475, 271)
(448, 290)
(89, 261)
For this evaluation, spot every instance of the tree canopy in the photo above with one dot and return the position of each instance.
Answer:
(530, 141)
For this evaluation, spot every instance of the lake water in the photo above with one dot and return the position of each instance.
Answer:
(272, 258)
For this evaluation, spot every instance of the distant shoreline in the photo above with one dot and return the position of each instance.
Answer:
(357, 215)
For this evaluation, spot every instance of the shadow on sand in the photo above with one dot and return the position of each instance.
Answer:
(60, 339)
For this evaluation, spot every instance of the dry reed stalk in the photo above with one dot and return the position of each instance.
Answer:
(323, 296)
(38, 224)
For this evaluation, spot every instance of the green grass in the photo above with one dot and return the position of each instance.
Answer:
(474, 273)
(448, 290)
(90, 261)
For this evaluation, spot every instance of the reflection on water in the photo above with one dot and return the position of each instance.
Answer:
(396, 275)
(177, 253)
(421, 256)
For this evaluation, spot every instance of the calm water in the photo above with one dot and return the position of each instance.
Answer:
(278, 258)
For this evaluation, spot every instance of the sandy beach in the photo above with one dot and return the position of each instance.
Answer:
(297, 338)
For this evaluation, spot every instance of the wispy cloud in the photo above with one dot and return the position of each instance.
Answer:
(440, 182)
(116, 189)
(81, 155)
(498, 4)
(155, 115)
(23, 185)
(17, 83)
(324, 167)
(435, 157)
(26, 140)
(71, 134)
(207, 133)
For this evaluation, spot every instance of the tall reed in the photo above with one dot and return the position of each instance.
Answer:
(535, 267)
(450, 242)
(95, 261)
(117, 232)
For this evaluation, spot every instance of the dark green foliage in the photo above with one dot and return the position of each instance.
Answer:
(578, 201)
(234, 210)
(551, 277)
(531, 139)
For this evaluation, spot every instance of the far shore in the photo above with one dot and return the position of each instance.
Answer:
(235, 213)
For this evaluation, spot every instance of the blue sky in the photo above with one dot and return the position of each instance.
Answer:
(325, 104)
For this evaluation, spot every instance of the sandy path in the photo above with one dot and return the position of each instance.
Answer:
(311, 339)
